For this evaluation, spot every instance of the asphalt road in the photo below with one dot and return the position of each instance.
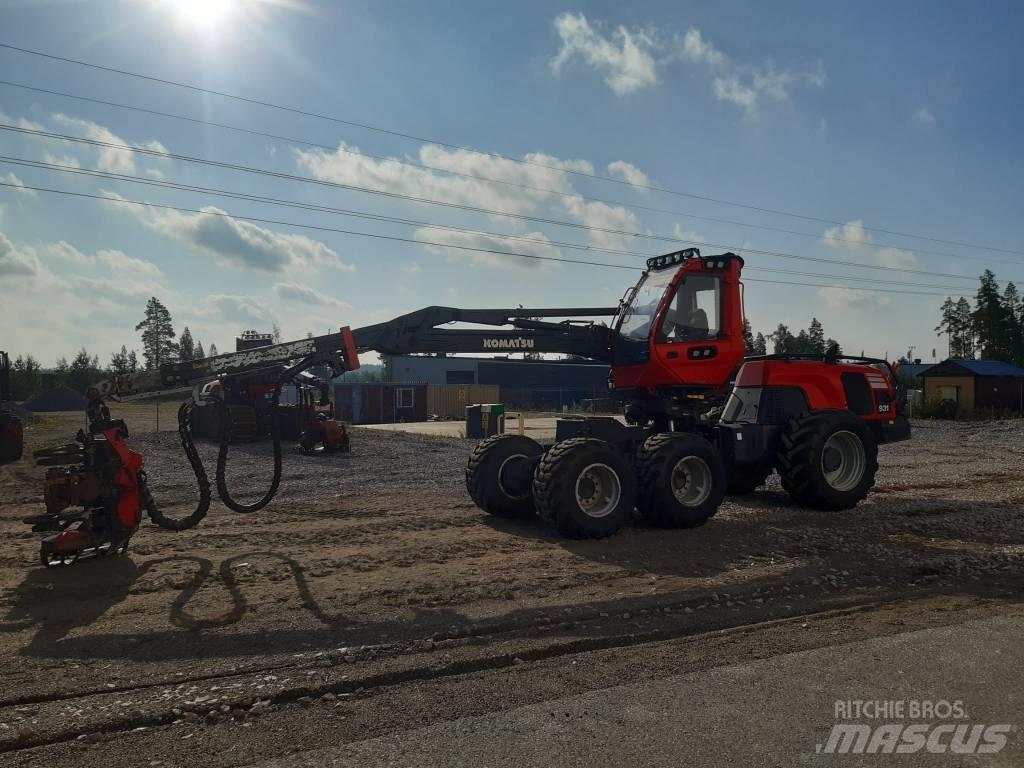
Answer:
(773, 712)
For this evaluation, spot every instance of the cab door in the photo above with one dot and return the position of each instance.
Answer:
(688, 335)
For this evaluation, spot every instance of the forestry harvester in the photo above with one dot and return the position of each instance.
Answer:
(699, 419)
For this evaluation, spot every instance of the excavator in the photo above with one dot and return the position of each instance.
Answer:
(699, 418)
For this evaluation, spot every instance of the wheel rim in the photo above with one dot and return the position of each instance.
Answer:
(691, 481)
(598, 490)
(514, 476)
(843, 461)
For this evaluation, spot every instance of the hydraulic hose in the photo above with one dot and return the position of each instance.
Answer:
(181, 523)
(225, 440)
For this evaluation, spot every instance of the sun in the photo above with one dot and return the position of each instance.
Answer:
(204, 13)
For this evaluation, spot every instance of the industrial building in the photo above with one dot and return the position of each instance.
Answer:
(526, 384)
(982, 387)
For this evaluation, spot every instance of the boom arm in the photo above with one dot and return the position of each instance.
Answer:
(414, 332)
(418, 332)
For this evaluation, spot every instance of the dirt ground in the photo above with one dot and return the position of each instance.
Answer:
(372, 597)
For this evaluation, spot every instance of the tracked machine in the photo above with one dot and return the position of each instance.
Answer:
(698, 419)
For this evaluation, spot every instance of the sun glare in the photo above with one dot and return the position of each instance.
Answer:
(204, 13)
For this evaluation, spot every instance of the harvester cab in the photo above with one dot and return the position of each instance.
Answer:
(679, 336)
(11, 435)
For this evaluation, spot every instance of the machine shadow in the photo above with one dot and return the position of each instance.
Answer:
(730, 542)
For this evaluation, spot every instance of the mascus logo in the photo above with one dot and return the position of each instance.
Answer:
(516, 343)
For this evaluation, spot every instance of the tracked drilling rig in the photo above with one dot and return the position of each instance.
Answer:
(698, 418)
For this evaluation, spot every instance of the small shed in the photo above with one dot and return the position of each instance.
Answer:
(380, 403)
(982, 386)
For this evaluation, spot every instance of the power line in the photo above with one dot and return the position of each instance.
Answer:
(460, 174)
(124, 201)
(164, 184)
(413, 137)
(460, 206)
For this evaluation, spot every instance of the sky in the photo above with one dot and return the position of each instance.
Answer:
(799, 135)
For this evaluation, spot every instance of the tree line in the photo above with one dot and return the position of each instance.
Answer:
(160, 344)
(992, 329)
(811, 341)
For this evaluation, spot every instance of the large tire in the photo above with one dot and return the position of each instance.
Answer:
(828, 460)
(499, 475)
(747, 478)
(682, 480)
(585, 488)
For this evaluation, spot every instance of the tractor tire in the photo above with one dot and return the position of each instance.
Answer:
(500, 473)
(682, 480)
(747, 478)
(585, 488)
(827, 460)
(307, 443)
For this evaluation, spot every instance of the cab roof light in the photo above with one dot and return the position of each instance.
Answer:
(671, 259)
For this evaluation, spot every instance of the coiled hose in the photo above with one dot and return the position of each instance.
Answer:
(222, 455)
(189, 521)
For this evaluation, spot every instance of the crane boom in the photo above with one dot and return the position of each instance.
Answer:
(417, 331)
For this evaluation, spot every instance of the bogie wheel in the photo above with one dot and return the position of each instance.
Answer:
(747, 478)
(828, 460)
(585, 488)
(682, 480)
(499, 475)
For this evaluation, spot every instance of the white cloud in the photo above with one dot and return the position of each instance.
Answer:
(16, 262)
(897, 258)
(695, 48)
(605, 217)
(630, 173)
(392, 175)
(110, 159)
(412, 267)
(303, 294)
(852, 298)
(118, 262)
(239, 309)
(19, 185)
(68, 160)
(852, 236)
(237, 243)
(730, 89)
(121, 262)
(626, 57)
(745, 85)
(470, 240)
(925, 117)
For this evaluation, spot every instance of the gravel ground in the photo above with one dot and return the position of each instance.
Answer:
(372, 597)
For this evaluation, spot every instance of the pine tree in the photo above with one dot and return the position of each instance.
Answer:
(186, 346)
(213, 350)
(1012, 318)
(760, 345)
(200, 352)
(816, 337)
(133, 362)
(966, 336)
(119, 362)
(802, 343)
(26, 377)
(830, 342)
(990, 318)
(82, 371)
(782, 340)
(748, 337)
(948, 323)
(158, 345)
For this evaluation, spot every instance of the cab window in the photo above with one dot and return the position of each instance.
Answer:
(694, 312)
